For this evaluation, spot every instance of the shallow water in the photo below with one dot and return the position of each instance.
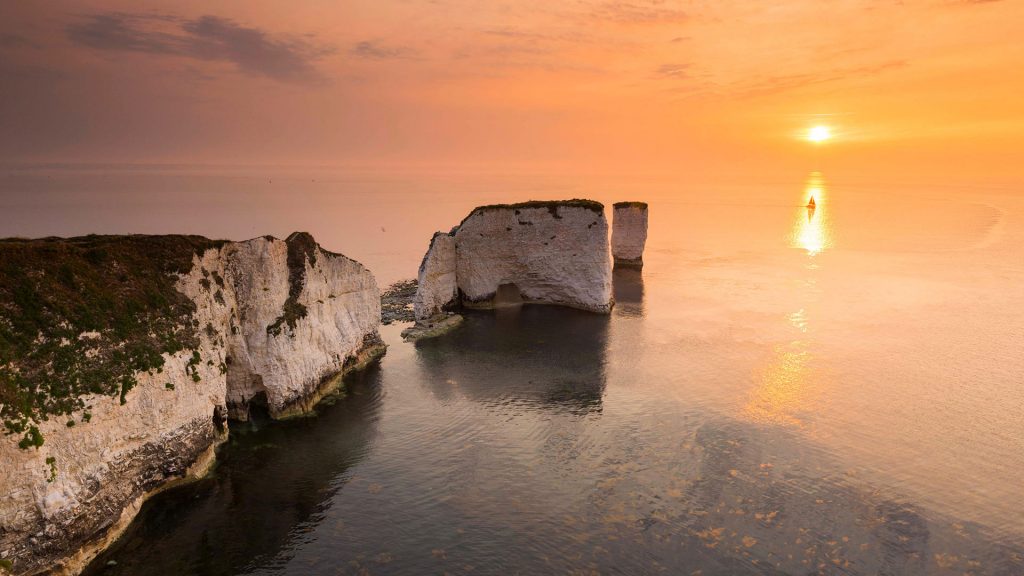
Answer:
(780, 391)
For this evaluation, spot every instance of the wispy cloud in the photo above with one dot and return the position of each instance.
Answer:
(519, 34)
(371, 50)
(672, 70)
(639, 12)
(776, 84)
(212, 38)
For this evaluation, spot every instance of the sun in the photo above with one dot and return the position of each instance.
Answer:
(819, 133)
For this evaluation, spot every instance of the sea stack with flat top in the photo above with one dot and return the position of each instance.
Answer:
(537, 252)
(629, 234)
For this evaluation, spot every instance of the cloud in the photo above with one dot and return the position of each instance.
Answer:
(211, 38)
(117, 31)
(673, 70)
(776, 84)
(252, 50)
(370, 50)
(649, 12)
(517, 34)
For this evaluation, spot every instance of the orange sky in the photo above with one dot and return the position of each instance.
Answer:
(919, 90)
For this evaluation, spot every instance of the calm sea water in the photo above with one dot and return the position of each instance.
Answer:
(781, 391)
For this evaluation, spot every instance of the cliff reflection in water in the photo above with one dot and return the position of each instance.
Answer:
(628, 291)
(508, 446)
(271, 479)
(717, 422)
(542, 356)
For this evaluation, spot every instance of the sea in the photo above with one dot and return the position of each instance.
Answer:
(780, 390)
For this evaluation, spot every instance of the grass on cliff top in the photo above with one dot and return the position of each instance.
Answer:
(630, 205)
(549, 204)
(552, 206)
(82, 315)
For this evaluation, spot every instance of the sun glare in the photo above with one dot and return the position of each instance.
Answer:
(819, 134)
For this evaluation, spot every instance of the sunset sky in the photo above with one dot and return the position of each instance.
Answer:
(919, 90)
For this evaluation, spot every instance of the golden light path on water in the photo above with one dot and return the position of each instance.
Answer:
(787, 387)
(811, 231)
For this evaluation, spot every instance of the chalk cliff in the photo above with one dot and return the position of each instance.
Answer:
(284, 354)
(436, 288)
(629, 234)
(536, 252)
(265, 320)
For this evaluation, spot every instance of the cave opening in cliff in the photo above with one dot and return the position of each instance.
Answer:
(259, 409)
(220, 417)
(507, 295)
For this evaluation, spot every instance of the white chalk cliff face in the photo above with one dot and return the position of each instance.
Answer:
(287, 362)
(629, 233)
(63, 502)
(436, 289)
(539, 252)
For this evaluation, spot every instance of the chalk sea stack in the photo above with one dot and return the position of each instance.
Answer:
(629, 234)
(437, 290)
(550, 252)
(121, 358)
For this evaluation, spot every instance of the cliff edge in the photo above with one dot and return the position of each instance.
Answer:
(550, 252)
(121, 358)
(629, 234)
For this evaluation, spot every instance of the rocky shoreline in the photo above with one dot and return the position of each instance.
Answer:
(123, 359)
(396, 302)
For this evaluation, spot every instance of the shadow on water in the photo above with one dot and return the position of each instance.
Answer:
(263, 491)
(542, 356)
(628, 290)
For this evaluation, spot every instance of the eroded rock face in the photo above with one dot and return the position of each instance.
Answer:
(274, 318)
(629, 234)
(437, 289)
(551, 252)
(534, 252)
(285, 357)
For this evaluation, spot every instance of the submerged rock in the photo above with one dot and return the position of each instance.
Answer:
(396, 302)
(230, 324)
(434, 326)
(629, 234)
(534, 252)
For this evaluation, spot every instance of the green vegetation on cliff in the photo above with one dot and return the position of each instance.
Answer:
(82, 315)
(301, 247)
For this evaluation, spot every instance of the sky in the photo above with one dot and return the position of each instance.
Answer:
(928, 90)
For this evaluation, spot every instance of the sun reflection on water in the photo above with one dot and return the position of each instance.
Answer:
(787, 387)
(811, 231)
